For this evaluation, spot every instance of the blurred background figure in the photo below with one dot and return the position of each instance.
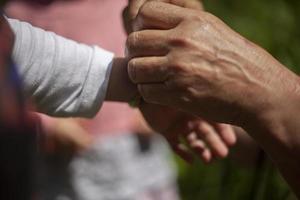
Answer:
(115, 156)
(17, 128)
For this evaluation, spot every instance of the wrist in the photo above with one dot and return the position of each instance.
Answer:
(120, 88)
(278, 134)
(275, 125)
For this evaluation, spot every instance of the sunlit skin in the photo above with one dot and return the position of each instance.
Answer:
(190, 59)
(208, 139)
(212, 142)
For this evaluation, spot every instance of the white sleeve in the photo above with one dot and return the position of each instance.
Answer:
(64, 78)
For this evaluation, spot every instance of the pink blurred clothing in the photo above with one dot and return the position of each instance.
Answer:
(78, 20)
(136, 169)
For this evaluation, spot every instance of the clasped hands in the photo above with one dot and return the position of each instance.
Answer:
(189, 60)
(186, 133)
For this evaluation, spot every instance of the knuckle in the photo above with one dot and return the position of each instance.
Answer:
(180, 40)
(194, 15)
(177, 64)
(197, 19)
(206, 16)
(132, 43)
(131, 40)
(132, 70)
(148, 5)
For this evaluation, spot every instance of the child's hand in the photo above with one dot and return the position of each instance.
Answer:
(188, 134)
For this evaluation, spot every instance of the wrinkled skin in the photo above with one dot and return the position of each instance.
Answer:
(185, 133)
(131, 11)
(200, 65)
(191, 60)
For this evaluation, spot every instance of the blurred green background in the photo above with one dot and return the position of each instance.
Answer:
(274, 25)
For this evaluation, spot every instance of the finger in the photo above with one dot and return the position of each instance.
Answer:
(194, 4)
(199, 148)
(196, 143)
(183, 152)
(179, 148)
(127, 22)
(147, 43)
(148, 70)
(134, 7)
(227, 133)
(207, 133)
(159, 15)
(206, 156)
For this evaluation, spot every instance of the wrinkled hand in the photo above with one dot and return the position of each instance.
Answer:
(185, 133)
(130, 12)
(189, 135)
(193, 61)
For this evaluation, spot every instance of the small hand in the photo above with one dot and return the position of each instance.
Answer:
(188, 135)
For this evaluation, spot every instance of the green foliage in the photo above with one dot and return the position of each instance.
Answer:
(274, 25)
(227, 181)
(2, 2)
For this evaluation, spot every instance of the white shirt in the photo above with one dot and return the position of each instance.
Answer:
(64, 78)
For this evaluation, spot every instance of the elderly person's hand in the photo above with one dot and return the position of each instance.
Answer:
(197, 63)
(191, 60)
(186, 134)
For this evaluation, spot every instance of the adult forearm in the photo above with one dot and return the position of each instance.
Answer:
(284, 150)
(277, 130)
